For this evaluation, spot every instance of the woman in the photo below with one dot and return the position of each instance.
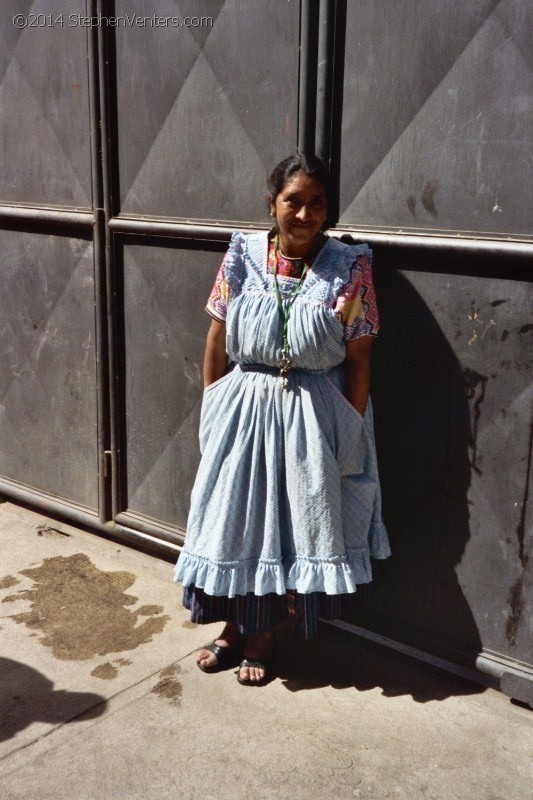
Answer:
(286, 507)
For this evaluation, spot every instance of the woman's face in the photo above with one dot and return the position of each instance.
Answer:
(300, 210)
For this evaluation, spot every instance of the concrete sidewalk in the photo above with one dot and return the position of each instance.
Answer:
(101, 698)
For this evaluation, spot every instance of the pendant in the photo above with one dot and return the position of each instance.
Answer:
(285, 366)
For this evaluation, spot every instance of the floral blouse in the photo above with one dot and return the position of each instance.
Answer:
(355, 306)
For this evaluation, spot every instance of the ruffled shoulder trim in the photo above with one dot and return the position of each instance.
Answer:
(350, 253)
(234, 260)
(334, 265)
(256, 247)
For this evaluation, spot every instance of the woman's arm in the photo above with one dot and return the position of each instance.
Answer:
(215, 357)
(357, 370)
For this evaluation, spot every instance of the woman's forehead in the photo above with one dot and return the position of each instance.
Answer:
(299, 183)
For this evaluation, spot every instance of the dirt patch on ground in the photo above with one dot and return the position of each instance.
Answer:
(108, 671)
(81, 610)
(105, 671)
(8, 582)
(169, 686)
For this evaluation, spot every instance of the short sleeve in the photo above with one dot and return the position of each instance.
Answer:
(356, 306)
(217, 305)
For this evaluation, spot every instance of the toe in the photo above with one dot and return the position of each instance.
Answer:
(206, 659)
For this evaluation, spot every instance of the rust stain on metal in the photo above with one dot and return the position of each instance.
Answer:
(491, 323)
(82, 610)
(428, 197)
(515, 598)
(475, 385)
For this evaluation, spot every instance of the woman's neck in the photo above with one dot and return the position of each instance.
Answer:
(300, 251)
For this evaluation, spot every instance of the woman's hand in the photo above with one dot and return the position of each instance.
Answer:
(215, 356)
(357, 370)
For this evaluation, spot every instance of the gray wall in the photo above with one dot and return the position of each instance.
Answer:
(437, 116)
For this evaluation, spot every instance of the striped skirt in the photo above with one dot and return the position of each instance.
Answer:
(255, 615)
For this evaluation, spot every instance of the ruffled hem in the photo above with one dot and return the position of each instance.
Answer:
(303, 575)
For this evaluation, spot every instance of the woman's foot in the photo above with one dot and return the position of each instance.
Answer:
(229, 639)
(257, 659)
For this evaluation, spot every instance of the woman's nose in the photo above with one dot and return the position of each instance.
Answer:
(303, 213)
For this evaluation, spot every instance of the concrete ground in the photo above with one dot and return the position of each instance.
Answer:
(101, 698)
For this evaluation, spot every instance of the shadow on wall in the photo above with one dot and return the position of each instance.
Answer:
(28, 696)
(423, 432)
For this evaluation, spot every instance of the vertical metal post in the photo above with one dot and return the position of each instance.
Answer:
(337, 43)
(106, 65)
(309, 18)
(102, 387)
(326, 29)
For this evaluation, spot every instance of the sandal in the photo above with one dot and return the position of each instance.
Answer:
(259, 663)
(226, 657)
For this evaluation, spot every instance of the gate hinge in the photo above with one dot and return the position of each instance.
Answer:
(107, 463)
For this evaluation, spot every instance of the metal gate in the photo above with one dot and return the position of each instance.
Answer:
(135, 141)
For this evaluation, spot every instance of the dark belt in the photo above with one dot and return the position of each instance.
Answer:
(268, 370)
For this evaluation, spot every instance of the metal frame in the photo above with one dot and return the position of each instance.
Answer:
(498, 248)
(307, 104)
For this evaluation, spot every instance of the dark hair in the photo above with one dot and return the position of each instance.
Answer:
(309, 164)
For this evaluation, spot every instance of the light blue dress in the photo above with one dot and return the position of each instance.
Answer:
(287, 494)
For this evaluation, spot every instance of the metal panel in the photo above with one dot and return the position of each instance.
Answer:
(203, 113)
(437, 116)
(47, 372)
(452, 395)
(45, 146)
(165, 291)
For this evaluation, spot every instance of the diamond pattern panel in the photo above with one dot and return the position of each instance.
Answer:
(453, 455)
(437, 119)
(201, 118)
(165, 291)
(47, 373)
(44, 107)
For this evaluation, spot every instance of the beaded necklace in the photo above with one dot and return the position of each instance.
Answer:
(286, 361)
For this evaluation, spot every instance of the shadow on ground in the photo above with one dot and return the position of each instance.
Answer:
(344, 661)
(27, 696)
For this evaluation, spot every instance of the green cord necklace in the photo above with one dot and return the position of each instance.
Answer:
(286, 362)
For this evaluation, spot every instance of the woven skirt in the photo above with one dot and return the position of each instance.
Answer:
(255, 615)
